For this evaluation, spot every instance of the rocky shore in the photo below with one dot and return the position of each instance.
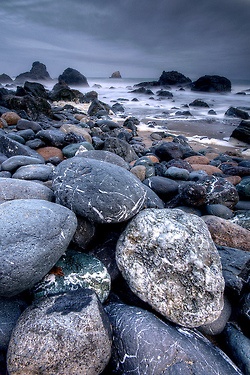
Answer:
(121, 252)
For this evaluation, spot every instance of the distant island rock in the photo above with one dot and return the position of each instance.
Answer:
(4, 78)
(73, 77)
(38, 72)
(212, 83)
(116, 74)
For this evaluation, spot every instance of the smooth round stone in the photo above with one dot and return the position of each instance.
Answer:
(75, 270)
(197, 175)
(169, 260)
(17, 161)
(177, 173)
(34, 234)
(15, 137)
(11, 188)
(164, 187)
(10, 147)
(64, 334)
(219, 210)
(34, 172)
(26, 124)
(99, 191)
(242, 205)
(70, 150)
(5, 174)
(26, 134)
(49, 153)
(35, 143)
(52, 137)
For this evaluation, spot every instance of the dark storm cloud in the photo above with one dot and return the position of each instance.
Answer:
(139, 38)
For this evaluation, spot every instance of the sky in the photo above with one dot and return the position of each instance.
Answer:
(138, 38)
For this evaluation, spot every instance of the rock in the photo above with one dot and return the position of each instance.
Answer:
(75, 270)
(116, 74)
(237, 347)
(4, 78)
(76, 149)
(17, 161)
(226, 233)
(242, 132)
(49, 153)
(197, 159)
(216, 327)
(219, 191)
(164, 187)
(61, 91)
(9, 147)
(243, 313)
(169, 150)
(38, 72)
(209, 169)
(107, 156)
(237, 112)
(219, 210)
(144, 344)
(234, 170)
(11, 118)
(242, 218)
(97, 107)
(164, 94)
(84, 233)
(99, 191)
(183, 283)
(120, 148)
(34, 234)
(118, 108)
(235, 268)
(199, 103)
(35, 89)
(177, 173)
(173, 78)
(73, 77)
(212, 83)
(42, 339)
(52, 137)
(38, 172)
(71, 128)
(11, 188)
(243, 188)
(10, 310)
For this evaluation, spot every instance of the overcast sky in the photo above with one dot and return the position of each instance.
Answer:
(138, 38)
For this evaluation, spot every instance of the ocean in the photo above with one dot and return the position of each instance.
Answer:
(163, 112)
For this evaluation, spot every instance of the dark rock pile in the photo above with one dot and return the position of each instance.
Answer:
(117, 257)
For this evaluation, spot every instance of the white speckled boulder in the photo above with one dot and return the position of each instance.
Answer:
(67, 334)
(169, 260)
(99, 191)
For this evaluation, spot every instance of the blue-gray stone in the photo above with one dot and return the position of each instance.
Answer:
(52, 137)
(242, 218)
(11, 188)
(107, 156)
(244, 188)
(34, 172)
(17, 161)
(144, 344)
(99, 191)
(219, 210)
(34, 234)
(10, 310)
(9, 147)
(70, 150)
(177, 173)
(75, 270)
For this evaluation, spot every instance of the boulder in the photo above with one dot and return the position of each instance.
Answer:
(173, 78)
(38, 72)
(164, 187)
(226, 233)
(237, 112)
(4, 78)
(242, 132)
(61, 91)
(10, 147)
(14, 162)
(212, 83)
(11, 118)
(120, 148)
(169, 260)
(242, 218)
(107, 156)
(73, 77)
(199, 103)
(35, 89)
(11, 188)
(144, 344)
(33, 235)
(65, 334)
(39, 172)
(169, 150)
(99, 191)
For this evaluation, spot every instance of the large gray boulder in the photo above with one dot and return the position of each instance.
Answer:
(99, 191)
(11, 188)
(65, 334)
(169, 260)
(144, 344)
(34, 234)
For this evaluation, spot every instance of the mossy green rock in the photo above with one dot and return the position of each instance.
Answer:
(75, 270)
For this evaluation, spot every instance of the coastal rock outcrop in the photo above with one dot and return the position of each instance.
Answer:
(173, 78)
(38, 72)
(212, 83)
(242, 132)
(182, 282)
(73, 77)
(116, 74)
(42, 339)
